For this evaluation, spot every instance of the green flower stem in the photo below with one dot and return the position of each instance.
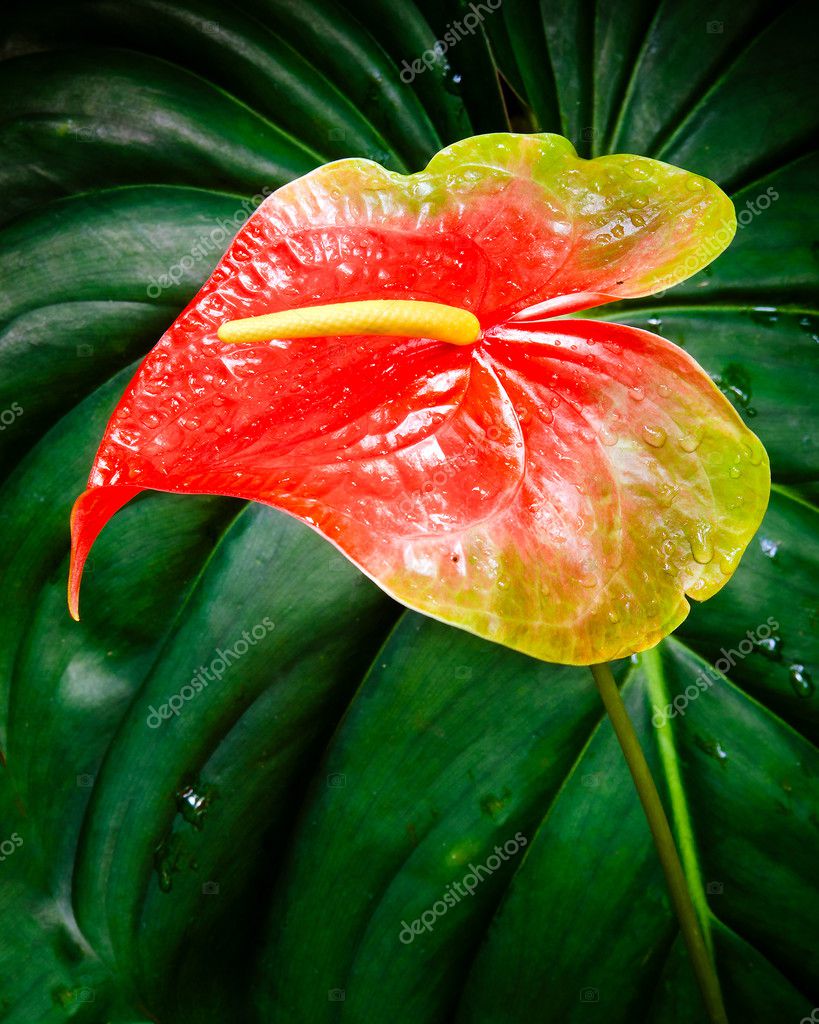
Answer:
(664, 841)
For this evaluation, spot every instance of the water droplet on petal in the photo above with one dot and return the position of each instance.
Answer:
(700, 540)
(637, 171)
(691, 442)
(654, 436)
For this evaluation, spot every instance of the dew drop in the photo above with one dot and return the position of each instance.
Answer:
(690, 442)
(618, 230)
(193, 806)
(637, 393)
(637, 171)
(150, 420)
(801, 681)
(735, 472)
(771, 647)
(695, 185)
(713, 748)
(638, 220)
(654, 436)
(765, 316)
(769, 547)
(453, 83)
(614, 618)
(167, 857)
(700, 540)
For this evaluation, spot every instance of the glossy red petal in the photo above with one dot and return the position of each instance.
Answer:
(91, 512)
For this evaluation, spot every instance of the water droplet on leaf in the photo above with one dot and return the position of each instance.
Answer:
(801, 681)
(771, 647)
(769, 547)
(193, 805)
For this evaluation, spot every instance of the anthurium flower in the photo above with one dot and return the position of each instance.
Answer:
(558, 485)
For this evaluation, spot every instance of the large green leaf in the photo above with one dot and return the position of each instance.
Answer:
(253, 857)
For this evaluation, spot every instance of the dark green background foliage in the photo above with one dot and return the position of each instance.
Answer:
(253, 858)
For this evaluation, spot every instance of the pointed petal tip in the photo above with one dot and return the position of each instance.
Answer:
(91, 511)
